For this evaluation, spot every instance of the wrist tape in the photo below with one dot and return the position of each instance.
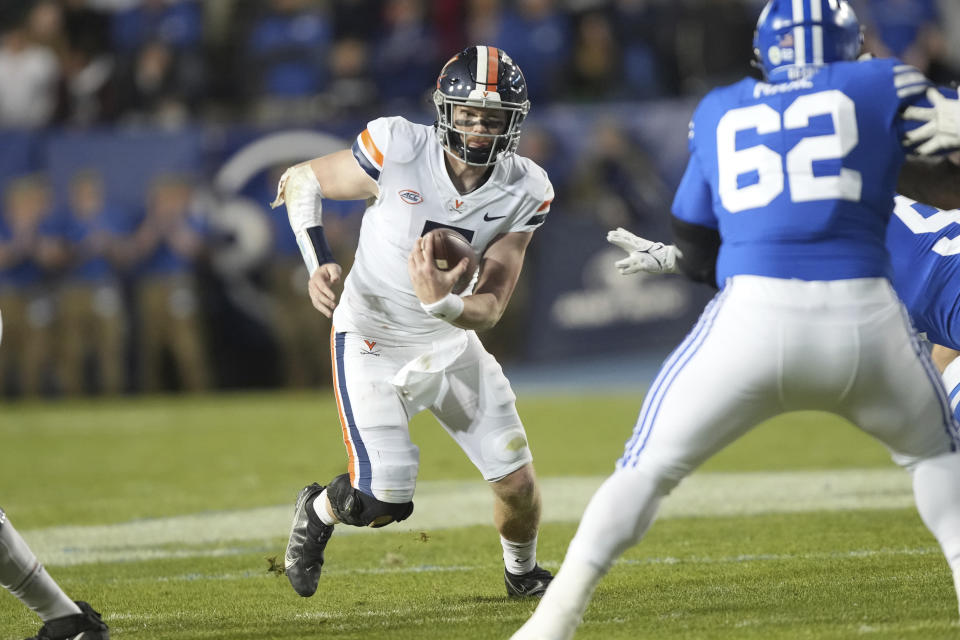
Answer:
(314, 248)
(448, 308)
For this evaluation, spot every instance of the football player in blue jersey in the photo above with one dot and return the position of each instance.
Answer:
(784, 203)
(924, 255)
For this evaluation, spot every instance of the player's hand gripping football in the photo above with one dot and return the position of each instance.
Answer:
(430, 284)
(644, 255)
(941, 128)
(320, 287)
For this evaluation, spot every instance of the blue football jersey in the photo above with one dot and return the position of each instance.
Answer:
(799, 177)
(924, 244)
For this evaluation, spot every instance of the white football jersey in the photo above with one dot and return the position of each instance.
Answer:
(417, 195)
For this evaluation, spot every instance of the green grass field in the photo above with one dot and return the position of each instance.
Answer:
(163, 513)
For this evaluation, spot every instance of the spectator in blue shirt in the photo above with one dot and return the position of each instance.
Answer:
(537, 34)
(30, 254)
(178, 23)
(405, 56)
(91, 305)
(287, 50)
(166, 247)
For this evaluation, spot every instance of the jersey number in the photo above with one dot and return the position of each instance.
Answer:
(903, 209)
(769, 165)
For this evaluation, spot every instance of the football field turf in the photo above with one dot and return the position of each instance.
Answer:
(167, 513)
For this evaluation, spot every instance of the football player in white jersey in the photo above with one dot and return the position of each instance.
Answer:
(402, 341)
(26, 578)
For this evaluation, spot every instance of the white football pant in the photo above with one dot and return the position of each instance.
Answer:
(762, 347)
(380, 385)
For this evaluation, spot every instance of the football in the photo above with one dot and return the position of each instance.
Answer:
(449, 248)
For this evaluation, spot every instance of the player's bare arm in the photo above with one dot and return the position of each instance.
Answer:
(499, 271)
(943, 356)
(934, 181)
(341, 178)
(336, 176)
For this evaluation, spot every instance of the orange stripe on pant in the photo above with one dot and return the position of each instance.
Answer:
(351, 455)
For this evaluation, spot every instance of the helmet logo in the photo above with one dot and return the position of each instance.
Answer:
(773, 54)
(410, 196)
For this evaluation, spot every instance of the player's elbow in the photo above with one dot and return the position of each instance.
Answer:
(486, 315)
(489, 321)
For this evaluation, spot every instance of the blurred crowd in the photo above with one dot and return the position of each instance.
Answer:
(167, 62)
(98, 298)
(52, 329)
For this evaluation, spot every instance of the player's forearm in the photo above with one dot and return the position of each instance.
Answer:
(933, 181)
(481, 311)
(300, 191)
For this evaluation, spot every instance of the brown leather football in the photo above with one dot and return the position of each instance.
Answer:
(449, 248)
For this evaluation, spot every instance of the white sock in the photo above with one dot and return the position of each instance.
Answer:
(519, 557)
(936, 488)
(320, 508)
(23, 575)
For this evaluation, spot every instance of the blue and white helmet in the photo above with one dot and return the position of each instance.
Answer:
(793, 37)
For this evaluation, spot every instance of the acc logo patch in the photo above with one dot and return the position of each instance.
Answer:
(410, 196)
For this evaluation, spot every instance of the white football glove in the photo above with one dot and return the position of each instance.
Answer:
(645, 256)
(941, 128)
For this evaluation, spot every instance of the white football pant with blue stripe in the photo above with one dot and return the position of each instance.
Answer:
(765, 346)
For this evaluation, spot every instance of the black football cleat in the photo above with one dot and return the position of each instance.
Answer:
(86, 625)
(308, 539)
(532, 584)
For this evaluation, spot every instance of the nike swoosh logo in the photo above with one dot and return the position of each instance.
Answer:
(533, 587)
(488, 218)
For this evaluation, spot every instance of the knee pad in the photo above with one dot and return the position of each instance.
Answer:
(354, 507)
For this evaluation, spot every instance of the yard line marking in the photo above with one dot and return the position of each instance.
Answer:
(564, 499)
(418, 569)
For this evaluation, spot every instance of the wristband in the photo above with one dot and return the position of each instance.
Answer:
(448, 308)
